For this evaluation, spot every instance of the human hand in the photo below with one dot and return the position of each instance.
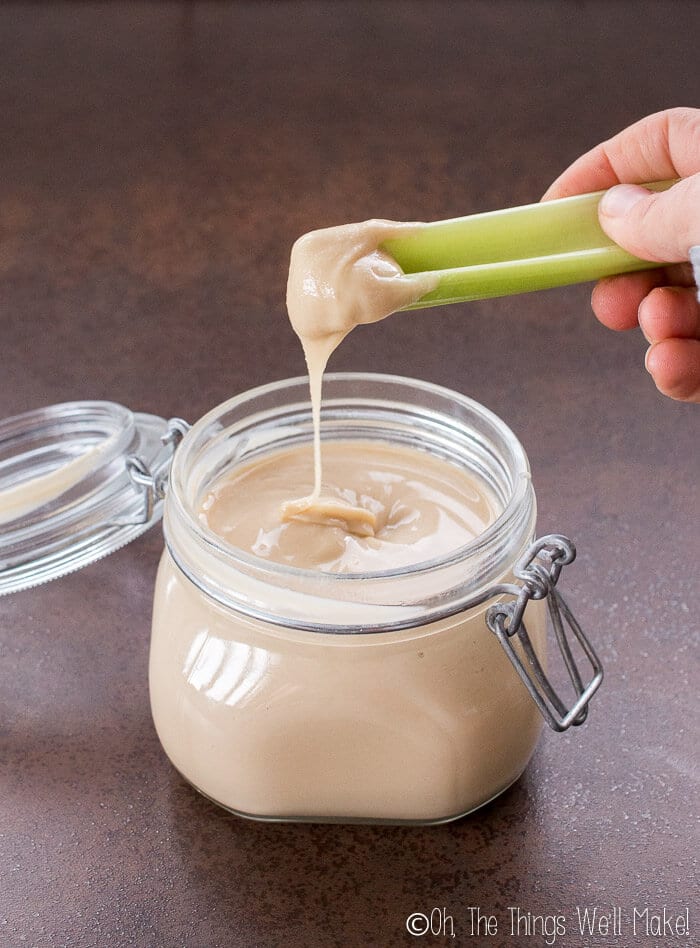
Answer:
(655, 226)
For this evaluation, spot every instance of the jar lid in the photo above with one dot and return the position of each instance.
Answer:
(77, 482)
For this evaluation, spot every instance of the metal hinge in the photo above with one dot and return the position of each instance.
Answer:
(154, 482)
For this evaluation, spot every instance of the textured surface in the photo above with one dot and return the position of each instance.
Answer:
(156, 162)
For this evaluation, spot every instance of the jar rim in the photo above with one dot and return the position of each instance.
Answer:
(520, 475)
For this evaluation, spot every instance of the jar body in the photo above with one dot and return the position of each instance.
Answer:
(402, 707)
(423, 725)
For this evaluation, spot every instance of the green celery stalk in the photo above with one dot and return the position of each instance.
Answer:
(515, 250)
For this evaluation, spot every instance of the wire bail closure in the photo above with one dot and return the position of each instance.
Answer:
(154, 482)
(538, 571)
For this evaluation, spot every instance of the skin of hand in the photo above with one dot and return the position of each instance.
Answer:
(656, 226)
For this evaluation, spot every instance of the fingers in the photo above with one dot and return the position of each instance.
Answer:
(655, 226)
(616, 300)
(670, 312)
(660, 146)
(674, 364)
(670, 319)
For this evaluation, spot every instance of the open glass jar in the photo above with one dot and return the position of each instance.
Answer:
(412, 695)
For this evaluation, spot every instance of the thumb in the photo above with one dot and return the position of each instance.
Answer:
(660, 225)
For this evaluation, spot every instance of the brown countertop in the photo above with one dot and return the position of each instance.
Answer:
(156, 163)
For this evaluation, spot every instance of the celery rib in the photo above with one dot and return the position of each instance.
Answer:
(515, 250)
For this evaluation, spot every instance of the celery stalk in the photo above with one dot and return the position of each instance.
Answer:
(515, 250)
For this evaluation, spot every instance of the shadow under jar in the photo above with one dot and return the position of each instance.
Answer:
(410, 695)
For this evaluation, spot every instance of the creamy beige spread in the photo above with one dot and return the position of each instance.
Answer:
(422, 724)
(339, 278)
(424, 507)
(30, 495)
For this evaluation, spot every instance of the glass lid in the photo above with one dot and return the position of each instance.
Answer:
(77, 482)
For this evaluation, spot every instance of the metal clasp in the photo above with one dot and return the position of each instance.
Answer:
(154, 482)
(539, 570)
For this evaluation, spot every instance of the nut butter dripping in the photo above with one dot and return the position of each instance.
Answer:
(338, 278)
(382, 505)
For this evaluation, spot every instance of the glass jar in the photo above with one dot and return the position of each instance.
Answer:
(400, 696)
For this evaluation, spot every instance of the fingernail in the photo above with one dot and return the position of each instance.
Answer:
(646, 359)
(619, 201)
(641, 320)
